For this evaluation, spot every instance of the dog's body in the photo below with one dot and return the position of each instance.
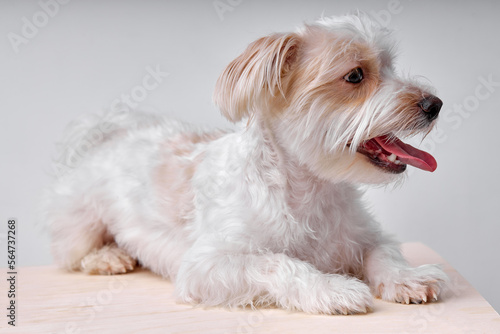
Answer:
(266, 214)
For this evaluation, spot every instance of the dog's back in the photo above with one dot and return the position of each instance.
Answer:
(100, 176)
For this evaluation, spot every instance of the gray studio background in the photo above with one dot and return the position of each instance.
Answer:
(83, 55)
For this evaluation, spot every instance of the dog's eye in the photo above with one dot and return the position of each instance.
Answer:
(355, 76)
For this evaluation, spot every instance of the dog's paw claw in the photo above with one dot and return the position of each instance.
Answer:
(414, 285)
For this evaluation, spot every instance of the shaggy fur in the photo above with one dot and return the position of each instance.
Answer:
(268, 214)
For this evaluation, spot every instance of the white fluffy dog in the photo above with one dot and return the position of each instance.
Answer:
(268, 214)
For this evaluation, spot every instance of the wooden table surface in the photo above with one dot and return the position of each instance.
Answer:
(50, 300)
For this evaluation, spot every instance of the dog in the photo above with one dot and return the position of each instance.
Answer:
(267, 214)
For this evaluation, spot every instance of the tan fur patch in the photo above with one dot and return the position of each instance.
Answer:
(324, 61)
(173, 175)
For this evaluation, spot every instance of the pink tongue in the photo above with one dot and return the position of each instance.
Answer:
(408, 154)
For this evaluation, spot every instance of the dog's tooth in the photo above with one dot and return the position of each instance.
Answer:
(392, 157)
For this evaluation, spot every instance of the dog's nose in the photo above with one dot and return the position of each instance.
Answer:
(431, 105)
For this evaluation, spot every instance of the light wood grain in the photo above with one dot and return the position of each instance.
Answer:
(53, 301)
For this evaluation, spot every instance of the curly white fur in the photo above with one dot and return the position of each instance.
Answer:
(268, 213)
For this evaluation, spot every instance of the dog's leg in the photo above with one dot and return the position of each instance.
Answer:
(392, 279)
(212, 276)
(74, 235)
(80, 241)
(77, 230)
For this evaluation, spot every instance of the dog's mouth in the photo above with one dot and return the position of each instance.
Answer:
(392, 155)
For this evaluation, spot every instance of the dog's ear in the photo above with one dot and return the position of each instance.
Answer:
(255, 75)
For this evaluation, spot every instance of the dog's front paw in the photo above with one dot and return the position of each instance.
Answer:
(356, 299)
(413, 285)
(340, 295)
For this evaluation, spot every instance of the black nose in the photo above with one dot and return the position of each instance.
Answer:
(431, 105)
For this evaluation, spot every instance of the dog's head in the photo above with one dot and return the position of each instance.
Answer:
(330, 96)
